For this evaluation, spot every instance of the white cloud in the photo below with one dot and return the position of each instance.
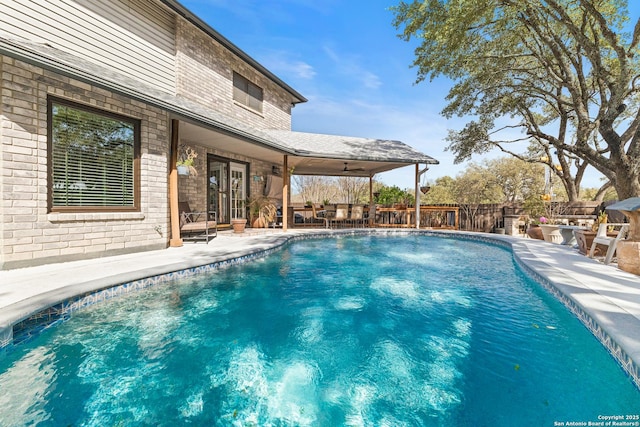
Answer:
(350, 65)
(281, 64)
(371, 80)
(303, 70)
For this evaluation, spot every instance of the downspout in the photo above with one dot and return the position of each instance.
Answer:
(174, 213)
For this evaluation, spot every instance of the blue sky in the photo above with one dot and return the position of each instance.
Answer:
(345, 57)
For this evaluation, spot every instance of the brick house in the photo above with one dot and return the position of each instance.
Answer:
(98, 99)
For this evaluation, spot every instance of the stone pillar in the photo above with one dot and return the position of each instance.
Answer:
(628, 253)
(511, 225)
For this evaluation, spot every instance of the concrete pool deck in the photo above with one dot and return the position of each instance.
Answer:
(605, 298)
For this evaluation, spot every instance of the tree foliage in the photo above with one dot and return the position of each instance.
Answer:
(352, 189)
(559, 74)
(388, 195)
(321, 189)
(477, 185)
(442, 191)
(501, 180)
(516, 179)
(315, 189)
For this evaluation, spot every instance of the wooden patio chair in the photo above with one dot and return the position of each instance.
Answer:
(197, 225)
(316, 216)
(612, 242)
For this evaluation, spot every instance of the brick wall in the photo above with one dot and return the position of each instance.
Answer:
(30, 234)
(204, 74)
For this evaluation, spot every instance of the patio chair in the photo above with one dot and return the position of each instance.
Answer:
(342, 214)
(316, 216)
(610, 241)
(197, 225)
(357, 215)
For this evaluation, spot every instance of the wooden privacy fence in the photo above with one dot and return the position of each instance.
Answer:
(489, 217)
(467, 217)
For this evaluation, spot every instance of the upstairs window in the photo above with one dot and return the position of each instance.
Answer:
(93, 159)
(247, 93)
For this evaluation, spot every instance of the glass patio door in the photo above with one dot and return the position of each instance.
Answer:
(238, 191)
(218, 189)
(227, 189)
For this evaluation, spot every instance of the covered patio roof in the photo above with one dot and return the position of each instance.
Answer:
(312, 153)
(322, 154)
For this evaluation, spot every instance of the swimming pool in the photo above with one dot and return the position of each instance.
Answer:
(369, 330)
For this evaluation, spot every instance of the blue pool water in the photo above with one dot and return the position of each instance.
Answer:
(353, 331)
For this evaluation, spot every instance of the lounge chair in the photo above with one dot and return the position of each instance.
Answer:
(612, 242)
(197, 225)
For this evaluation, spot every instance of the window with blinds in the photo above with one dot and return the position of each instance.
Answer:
(93, 159)
(247, 93)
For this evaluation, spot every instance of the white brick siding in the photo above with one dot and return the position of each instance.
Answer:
(204, 73)
(31, 234)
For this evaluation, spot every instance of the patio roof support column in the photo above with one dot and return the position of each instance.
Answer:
(370, 190)
(419, 174)
(175, 240)
(417, 193)
(285, 193)
(370, 199)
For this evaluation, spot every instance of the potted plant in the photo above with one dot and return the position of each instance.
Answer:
(535, 209)
(238, 223)
(533, 228)
(263, 211)
(186, 158)
(550, 231)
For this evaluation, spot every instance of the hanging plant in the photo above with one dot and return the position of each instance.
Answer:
(186, 159)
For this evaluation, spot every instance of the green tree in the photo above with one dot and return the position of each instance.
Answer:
(442, 191)
(388, 195)
(517, 180)
(560, 74)
(477, 185)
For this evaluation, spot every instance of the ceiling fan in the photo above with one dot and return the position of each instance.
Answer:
(346, 168)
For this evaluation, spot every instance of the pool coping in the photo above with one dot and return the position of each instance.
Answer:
(604, 298)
